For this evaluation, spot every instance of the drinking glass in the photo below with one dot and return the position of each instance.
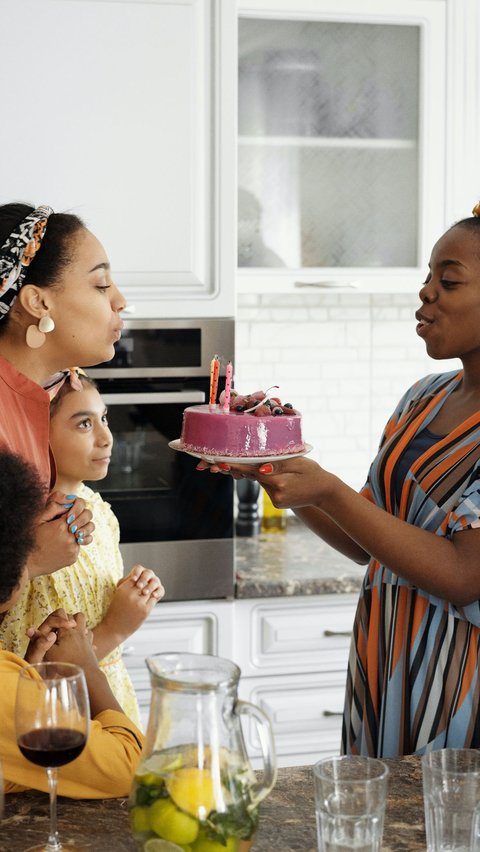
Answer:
(52, 718)
(350, 795)
(451, 792)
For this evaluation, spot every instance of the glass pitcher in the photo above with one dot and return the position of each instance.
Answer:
(194, 788)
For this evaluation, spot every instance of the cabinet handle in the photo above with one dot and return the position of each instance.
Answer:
(337, 632)
(162, 397)
(128, 650)
(331, 713)
(330, 285)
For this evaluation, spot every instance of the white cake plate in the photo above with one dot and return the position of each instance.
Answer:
(176, 445)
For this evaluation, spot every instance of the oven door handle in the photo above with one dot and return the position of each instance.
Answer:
(165, 397)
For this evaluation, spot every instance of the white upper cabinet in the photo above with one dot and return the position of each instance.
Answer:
(341, 143)
(121, 111)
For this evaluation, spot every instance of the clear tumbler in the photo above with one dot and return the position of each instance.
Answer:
(350, 795)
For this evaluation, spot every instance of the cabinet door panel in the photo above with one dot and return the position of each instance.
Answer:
(195, 628)
(296, 635)
(305, 712)
(188, 634)
(112, 110)
(341, 142)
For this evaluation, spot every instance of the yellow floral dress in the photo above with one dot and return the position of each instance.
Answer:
(88, 587)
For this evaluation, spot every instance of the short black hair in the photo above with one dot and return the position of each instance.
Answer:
(22, 498)
(470, 222)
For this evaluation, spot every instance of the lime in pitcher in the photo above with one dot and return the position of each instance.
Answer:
(194, 789)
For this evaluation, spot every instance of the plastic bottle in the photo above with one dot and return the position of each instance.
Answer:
(273, 519)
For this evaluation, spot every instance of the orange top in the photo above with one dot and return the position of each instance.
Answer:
(25, 419)
(105, 768)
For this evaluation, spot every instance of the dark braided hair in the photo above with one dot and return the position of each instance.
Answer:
(55, 252)
(22, 498)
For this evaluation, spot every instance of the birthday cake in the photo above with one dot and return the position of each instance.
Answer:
(250, 426)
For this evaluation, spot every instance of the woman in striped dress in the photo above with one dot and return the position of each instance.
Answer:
(413, 675)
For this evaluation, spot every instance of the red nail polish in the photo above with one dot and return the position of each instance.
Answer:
(266, 468)
(223, 466)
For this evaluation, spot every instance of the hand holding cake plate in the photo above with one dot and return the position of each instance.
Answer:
(177, 445)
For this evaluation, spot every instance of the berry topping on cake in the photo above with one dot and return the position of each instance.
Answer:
(262, 411)
(262, 405)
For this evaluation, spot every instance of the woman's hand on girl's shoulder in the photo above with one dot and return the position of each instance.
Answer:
(65, 525)
(78, 517)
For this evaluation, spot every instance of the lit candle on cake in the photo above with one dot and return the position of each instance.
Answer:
(228, 387)
(214, 370)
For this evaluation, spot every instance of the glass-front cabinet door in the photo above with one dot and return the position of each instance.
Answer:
(340, 143)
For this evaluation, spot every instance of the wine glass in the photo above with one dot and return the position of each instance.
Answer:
(52, 714)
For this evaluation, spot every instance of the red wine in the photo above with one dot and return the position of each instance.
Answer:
(51, 746)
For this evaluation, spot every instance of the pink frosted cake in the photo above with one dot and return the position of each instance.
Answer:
(253, 426)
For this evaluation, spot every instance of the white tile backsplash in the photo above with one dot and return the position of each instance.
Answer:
(343, 360)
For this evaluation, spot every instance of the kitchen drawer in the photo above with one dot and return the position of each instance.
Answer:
(294, 634)
(196, 628)
(188, 633)
(192, 627)
(195, 634)
(305, 712)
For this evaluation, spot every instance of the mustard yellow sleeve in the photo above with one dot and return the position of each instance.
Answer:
(104, 770)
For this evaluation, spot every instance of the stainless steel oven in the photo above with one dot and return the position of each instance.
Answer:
(172, 518)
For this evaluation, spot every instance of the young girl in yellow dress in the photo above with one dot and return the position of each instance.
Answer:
(114, 606)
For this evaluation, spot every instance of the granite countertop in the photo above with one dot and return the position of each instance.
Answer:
(292, 562)
(287, 816)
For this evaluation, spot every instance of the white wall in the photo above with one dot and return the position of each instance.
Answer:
(343, 360)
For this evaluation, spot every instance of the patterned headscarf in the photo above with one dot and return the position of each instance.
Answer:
(17, 253)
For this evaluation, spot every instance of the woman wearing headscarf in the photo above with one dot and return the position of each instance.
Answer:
(58, 307)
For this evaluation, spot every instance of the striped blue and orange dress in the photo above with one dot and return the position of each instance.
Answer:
(413, 674)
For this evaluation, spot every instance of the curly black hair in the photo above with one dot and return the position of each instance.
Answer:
(22, 498)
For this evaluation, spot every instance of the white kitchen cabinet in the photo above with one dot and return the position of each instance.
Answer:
(293, 653)
(306, 713)
(122, 111)
(341, 143)
(198, 628)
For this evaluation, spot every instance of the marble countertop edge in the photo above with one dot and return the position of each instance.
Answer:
(247, 587)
